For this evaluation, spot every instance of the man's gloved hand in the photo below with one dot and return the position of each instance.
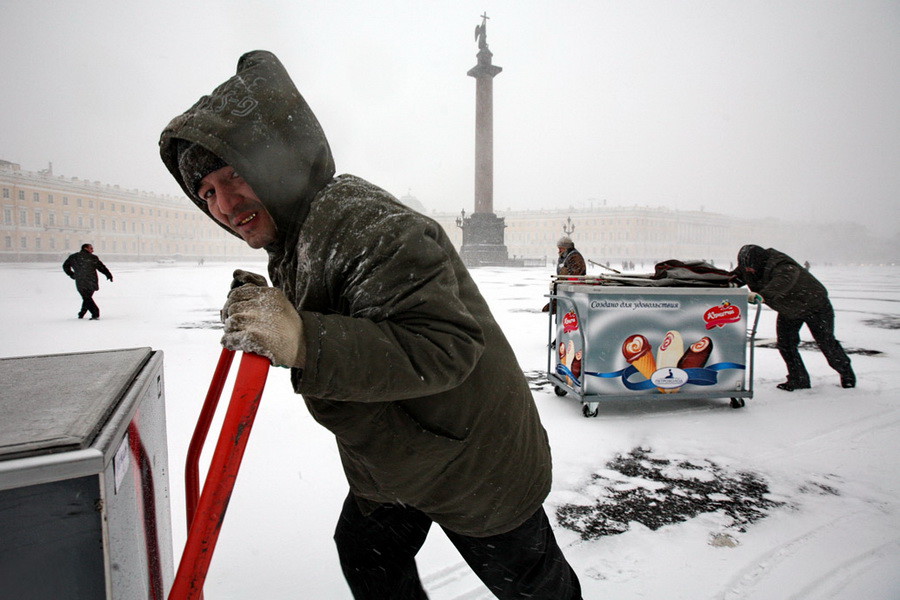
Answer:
(109, 278)
(263, 321)
(754, 298)
(242, 277)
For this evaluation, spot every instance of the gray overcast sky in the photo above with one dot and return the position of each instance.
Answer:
(783, 107)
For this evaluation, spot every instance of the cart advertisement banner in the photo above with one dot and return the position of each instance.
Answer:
(615, 341)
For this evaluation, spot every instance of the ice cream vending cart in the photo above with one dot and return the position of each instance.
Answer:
(619, 342)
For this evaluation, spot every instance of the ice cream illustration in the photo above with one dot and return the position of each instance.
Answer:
(570, 356)
(576, 365)
(696, 355)
(636, 350)
(668, 354)
(670, 350)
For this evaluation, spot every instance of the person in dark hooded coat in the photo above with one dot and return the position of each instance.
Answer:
(799, 298)
(82, 267)
(389, 342)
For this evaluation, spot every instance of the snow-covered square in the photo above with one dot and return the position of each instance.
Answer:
(793, 496)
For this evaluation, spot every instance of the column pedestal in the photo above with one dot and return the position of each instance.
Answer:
(482, 244)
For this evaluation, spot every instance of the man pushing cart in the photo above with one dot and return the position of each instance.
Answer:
(682, 332)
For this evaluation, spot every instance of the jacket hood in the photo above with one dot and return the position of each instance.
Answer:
(752, 256)
(258, 123)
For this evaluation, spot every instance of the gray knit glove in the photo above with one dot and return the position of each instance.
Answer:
(263, 321)
(242, 277)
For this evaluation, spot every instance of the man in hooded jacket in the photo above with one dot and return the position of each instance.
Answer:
(389, 341)
(799, 298)
(82, 267)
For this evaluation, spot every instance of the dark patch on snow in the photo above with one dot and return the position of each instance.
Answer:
(205, 324)
(813, 347)
(211, 321)
(655, 491)
(817, 487)
(537, 380)
(884, 322)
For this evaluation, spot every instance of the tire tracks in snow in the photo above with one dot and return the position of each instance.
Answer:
(456, 575)
(827, 582)
(834, 582)
(853, 430)
(747, 579)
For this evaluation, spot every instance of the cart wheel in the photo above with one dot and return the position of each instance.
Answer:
(737, 403)
(559, 391)
(587, 412)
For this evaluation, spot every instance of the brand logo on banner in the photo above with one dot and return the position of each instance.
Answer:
(669, 378)
(719, 316)
(570, 322)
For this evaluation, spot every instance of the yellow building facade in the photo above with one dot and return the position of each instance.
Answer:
(45, 217)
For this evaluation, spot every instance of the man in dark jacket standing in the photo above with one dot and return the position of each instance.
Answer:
(82, 267)
(799, 298)
(388, 340)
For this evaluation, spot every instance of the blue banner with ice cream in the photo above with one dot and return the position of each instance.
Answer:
(635, 340)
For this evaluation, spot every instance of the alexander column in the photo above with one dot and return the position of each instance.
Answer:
(483, 230)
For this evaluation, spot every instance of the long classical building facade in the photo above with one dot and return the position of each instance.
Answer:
(46, 217)
(618, 235)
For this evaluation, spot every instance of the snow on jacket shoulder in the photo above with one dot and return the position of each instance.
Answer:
(405, 363)
(571, 263)
(408, 368)
(82, 267)
(789, 288)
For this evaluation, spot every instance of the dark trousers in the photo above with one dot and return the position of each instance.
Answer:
(377, 554)
(88, 304)
(821, 325)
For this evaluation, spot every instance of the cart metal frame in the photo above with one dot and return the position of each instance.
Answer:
(590, 408)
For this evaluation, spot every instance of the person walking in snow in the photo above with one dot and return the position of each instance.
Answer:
(798, 297)
(389, 342)
(82, 267)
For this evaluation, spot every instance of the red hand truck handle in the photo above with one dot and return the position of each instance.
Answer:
(205, 516)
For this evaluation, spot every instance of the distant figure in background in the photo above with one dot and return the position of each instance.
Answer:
(570, 260)
(570, 263)
(806, 265)
(798, 297)
(82, 267)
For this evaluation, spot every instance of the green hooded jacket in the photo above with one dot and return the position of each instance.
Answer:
(405, 363)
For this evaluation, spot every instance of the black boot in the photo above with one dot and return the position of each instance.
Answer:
(848, 380)
(790, 386)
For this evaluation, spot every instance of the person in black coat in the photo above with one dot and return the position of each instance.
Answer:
(799, 298)
(82, 267)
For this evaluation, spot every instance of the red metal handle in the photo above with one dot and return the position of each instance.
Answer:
(209, 513)
(192, 462)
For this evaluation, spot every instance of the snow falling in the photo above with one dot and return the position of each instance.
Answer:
(796, 495)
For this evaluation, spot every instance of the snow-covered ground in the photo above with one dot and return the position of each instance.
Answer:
(806, 484)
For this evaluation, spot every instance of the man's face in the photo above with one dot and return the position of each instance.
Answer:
(89, 249)
(232, 202)
(560, 250)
